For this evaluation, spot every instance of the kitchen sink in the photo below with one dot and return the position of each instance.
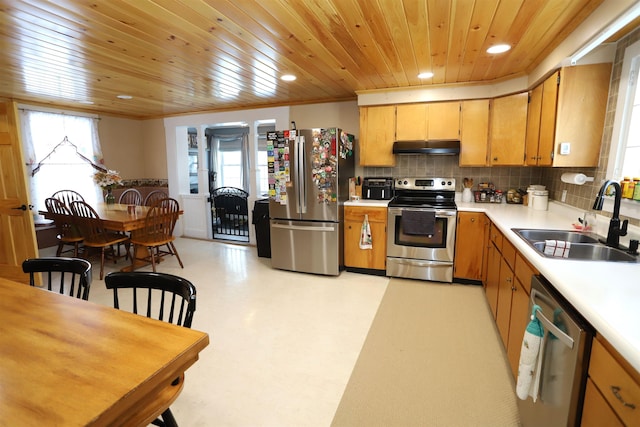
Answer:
(539, 235)
(585, 247)
(592, 252)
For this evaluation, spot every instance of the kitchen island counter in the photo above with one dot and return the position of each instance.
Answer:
(607, 294)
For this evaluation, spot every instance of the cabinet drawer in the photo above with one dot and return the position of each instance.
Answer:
(357, 214)
(615, 383)
(596, 411)
(524, 272)
(509, 253)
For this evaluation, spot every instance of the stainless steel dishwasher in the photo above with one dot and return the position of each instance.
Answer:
(567, 346)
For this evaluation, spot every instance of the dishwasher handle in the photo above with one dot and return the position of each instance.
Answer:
(549, 325)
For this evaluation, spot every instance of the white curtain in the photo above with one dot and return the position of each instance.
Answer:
(53, 166)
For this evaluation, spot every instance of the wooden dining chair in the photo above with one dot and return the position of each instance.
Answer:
(130, 196)
(67, 196)
(96, 235)
(158, 232)
(154, 196)
(73, 276)
(163, 297)
(68, 233)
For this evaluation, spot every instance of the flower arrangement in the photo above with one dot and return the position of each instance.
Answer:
(107, 179)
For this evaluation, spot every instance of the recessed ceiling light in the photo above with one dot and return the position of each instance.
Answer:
(426, 75)
(124, 97)
(498, 48)
(288, 77)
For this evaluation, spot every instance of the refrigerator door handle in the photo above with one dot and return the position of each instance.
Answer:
(302, 227)
(301, 175)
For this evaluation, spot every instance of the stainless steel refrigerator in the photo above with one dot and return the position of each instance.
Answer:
(309, 173)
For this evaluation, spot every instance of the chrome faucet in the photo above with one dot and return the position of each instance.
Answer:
(615, 231)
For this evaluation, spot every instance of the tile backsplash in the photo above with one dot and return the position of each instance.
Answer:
(420, 165)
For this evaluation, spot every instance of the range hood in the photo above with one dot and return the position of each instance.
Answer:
(430, 146)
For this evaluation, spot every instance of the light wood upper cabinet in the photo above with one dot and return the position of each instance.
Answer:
(377, 134)
(474, 132)
(548, 110)
(582, 104)
(508, 129)
(434, 120)
(411, 122)
(533, 126)
(443, 120)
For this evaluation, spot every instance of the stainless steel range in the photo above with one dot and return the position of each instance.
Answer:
(421, 229)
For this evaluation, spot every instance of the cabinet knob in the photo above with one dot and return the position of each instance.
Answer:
(473, 220)
(495, 159)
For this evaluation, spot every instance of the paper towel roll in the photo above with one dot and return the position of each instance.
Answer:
(575, 178)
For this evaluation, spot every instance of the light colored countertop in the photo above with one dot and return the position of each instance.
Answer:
(368, 203)
(607, 294)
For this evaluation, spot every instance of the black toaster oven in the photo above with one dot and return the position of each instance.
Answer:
(377, 188)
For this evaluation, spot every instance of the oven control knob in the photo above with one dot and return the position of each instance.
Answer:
(443, 183)
(448, 182)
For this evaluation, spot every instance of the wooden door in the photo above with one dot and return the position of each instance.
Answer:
(508, 129)
(444, 120)
(375, 258)
(533, 127)
(517, 325)
(474, 132)
(18, 240)
(411, 122)
(582, 104)
(470, 234)
(548, 120)
(493, 278)
(377, 134)
(505, 291)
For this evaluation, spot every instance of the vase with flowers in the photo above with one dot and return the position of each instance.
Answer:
(108, 180)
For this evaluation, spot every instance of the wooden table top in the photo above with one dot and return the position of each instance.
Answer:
(69, 362)
(117, 217)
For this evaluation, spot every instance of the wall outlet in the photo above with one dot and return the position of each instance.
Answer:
(564, 196)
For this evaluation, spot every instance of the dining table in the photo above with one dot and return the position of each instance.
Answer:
(69, 362)
(123, 218)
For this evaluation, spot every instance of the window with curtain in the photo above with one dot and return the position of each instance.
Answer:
(229, 148)
(61, 151)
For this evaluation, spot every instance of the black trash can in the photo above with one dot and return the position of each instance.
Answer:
(261, 221)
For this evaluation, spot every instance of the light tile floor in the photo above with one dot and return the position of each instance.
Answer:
(283, 344)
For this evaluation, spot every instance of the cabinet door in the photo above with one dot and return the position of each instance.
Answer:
(533, 126)
(411, 122)
(548, 120)
(469, 245)
(582, 104)
(493, 278)
(474, 132)
(517, 324)
(444, 120)
(508, 129)
(377, 133)
(375, 258)
(505, 291)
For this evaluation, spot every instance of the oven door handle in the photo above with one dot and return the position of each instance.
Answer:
(440, 213)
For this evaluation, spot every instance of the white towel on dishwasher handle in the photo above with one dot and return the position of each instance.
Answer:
(531, 358)
(365, 234)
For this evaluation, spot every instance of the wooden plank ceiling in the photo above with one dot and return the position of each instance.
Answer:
(176, 57)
